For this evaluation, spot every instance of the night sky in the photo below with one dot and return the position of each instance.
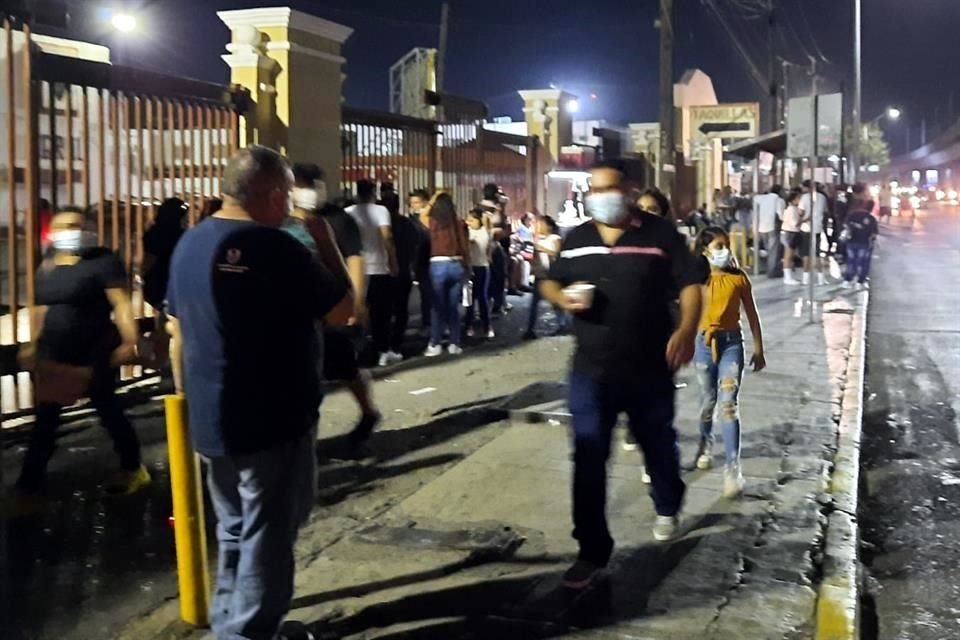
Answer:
(607, 47)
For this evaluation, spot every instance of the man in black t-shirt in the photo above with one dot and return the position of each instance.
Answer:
(244, 352)
(628, 347)
(419, 199)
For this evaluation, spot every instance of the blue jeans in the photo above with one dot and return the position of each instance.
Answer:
(481, 297)
(563, 319)
(447, 278)
(595, 405)
(720, 385)
(260, 500)
(858, 262)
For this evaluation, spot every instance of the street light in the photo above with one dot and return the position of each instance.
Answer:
(893, 113)
(123, 22)
(573, 105)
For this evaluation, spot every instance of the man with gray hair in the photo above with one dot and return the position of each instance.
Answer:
(243, 299)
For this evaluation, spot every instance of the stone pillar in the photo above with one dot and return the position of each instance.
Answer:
(549, 118)
(291, 61)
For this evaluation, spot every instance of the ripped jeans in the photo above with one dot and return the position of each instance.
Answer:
(720, 390)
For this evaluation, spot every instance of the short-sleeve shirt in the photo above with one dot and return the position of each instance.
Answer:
(625, 332)
(725, 292)
(370, 218)
(480, 240)
(768, 207)
(817, 212)
(77, 328)
(247, 298)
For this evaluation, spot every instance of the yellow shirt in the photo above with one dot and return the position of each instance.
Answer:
(723, 295)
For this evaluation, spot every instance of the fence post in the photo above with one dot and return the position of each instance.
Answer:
(193, 574)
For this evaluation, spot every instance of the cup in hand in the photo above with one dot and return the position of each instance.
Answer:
(580, 294)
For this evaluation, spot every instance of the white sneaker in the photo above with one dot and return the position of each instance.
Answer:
(491, 334)
(821, 279)
(788, 277)
(863, 286)
(433, 351)
(470, 332)
(806, 277)
(666, 528)
(384, 360)
(733, 482)
(394, 357)
(704, 461)
(847, 284)
(645, 478)
(454, 350)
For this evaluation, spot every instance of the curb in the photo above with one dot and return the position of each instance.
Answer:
(838, 601)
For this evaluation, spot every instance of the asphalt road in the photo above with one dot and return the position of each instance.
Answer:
(911, 517)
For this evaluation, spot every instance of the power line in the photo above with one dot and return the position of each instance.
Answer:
(813, 37)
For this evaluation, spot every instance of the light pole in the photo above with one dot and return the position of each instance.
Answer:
(857, 87)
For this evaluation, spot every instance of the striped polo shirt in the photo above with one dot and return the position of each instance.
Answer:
(625, 332)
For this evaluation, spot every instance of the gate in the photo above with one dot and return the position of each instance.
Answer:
(458, 157)
(114, 140)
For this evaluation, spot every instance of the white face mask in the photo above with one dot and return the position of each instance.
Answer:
(719, 258)
(608, 208)
(305, 198)
(70, 240)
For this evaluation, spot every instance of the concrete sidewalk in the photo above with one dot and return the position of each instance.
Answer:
(477, 549)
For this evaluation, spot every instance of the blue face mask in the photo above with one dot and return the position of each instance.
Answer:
(719, 258)
(607, 208)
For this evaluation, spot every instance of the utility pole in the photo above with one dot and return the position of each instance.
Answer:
(814, 267)
(857, 90)
(665, 181)
(442, 48)
(773, 93)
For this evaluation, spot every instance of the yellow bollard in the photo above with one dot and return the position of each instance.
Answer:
(193, 572)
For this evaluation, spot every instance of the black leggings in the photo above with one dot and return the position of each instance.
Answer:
(104, 400)
(380, 307)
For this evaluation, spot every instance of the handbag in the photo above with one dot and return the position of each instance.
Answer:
(59, 383)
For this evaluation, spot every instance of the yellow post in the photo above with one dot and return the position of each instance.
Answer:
(193, 572)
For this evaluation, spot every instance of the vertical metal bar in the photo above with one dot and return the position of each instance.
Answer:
(13, 281)
(69, 158)
(223, 117)
(180, 173)
(188, 150)
(138, 221)
(85, 145)
(102, 160)
(162, 123)
(128, 103)
(31, 167)
(148, 104)
(233, 131)
(206, 151)
(53, 148)
(115, 106)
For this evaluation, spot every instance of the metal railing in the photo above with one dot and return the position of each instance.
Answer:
(113, 140)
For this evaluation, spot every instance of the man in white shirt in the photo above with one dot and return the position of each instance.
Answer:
(815, 214)
(380, 261)
(768, 208)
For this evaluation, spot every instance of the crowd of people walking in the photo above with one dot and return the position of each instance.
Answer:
(298, 283)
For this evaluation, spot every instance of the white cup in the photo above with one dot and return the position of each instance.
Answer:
(581, 294)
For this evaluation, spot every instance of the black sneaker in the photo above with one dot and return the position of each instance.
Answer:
(581, 575)
(529, 335)
(364, 429)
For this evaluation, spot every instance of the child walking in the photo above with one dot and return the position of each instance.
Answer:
(719, 358)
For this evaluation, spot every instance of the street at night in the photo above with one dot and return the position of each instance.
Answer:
(479, 320)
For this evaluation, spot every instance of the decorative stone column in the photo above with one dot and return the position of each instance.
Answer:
(548, 118)
(293, 65)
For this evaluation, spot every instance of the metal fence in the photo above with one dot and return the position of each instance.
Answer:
(458, 157)
(112, 140)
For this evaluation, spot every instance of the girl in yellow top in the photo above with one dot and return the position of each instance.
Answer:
(719, 358)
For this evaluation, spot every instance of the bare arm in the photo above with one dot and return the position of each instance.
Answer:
(753, 318)
(387, 234)
(681, 345)
(126, 325)
(176, 353)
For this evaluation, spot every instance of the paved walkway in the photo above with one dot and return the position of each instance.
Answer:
(477, 549)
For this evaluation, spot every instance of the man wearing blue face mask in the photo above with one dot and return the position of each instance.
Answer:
(617, 275)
